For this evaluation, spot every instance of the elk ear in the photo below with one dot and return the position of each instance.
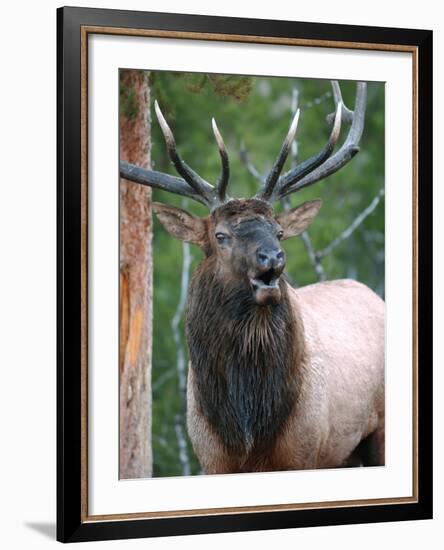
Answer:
(181, 224)
(298, 219)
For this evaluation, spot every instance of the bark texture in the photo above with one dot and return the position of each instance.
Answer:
(135, 282)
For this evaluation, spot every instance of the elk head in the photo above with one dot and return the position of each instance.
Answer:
(243, 239)
(243, 236)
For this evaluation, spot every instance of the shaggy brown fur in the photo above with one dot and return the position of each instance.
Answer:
(241, 209)
(247, 386)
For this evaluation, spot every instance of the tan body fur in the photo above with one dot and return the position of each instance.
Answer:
(341, 400)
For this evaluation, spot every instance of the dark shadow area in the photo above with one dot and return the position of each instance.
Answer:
(47, 529)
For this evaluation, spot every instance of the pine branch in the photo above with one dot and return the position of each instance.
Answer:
(352, 227)
(181, 358)
(313, 256)
(183, 448)
(175, 323)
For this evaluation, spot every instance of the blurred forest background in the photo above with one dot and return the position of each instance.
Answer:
(253, 115)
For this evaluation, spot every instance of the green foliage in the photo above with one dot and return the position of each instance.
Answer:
(231, 86)
(237, 87)
(256, 111)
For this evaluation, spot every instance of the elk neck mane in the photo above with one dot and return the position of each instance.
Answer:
(247, 360)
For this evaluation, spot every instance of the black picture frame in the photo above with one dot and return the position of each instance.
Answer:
(72, 524)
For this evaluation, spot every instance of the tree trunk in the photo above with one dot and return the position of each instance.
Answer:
(135, 281)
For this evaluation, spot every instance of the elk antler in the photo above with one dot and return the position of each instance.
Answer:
(276, 186)
(191, 184)
(275, 172)
(225, 166)
(322, 164)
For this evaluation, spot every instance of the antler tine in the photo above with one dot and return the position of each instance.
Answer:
(347, 114)
(267, 191)
(221, 187)
(199, 185)
(158, 180)
(333, 163)
(296, 174)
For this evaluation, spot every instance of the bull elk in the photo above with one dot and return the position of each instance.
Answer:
(280, 378)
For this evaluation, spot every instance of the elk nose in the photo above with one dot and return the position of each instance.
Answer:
(268, 258)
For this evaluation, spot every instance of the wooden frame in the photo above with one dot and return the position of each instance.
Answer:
(73, 522)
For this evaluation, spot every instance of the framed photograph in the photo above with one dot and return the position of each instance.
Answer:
(244, 274)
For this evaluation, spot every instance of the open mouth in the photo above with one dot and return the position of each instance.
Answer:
(266, 287)
(268, 279)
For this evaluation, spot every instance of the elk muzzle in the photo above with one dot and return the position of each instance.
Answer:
(265, 275)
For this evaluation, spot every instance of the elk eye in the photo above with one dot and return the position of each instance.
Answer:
(280, 234)
(221, 238)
